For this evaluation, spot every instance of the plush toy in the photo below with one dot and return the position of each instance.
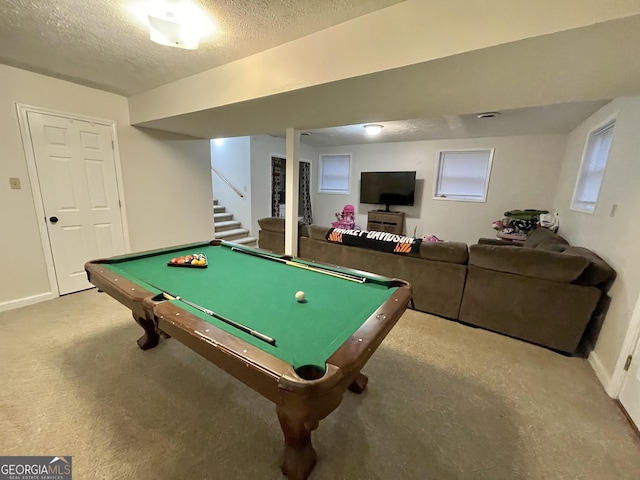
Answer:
(431, 238)
(498, 225)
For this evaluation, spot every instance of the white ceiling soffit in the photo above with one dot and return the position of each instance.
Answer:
(590, 64)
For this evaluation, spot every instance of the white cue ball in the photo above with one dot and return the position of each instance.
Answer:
(300, 296)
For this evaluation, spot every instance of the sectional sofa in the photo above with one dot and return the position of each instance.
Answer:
(543, 291)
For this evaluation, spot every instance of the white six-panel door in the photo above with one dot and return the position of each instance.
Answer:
(77, 176)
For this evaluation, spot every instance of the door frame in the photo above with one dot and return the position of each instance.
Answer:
(23, 123)
(631, 340)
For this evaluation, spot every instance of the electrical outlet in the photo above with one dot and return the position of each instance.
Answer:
(15, 183)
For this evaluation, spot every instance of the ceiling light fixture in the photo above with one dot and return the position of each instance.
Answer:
(373, 129)
(176, 23)
(218, 141)
(488, 114)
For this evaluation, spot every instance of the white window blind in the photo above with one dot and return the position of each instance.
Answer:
(334, 173)
(463, 175)
(592, 169)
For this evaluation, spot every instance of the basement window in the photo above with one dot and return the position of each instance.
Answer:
(594, 162)
(334, 173)
(463, 175)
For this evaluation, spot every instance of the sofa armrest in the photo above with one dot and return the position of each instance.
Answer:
(271, 224)
(528, 262)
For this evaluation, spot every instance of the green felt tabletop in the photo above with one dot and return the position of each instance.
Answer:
(260, 294)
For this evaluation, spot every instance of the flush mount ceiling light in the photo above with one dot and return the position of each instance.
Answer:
(488, 114)
(373, 129)
(174, 23)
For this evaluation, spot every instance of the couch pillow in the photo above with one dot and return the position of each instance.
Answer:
(539, 235)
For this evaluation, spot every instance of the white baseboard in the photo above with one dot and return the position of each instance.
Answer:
(23, 302)
(605, 379)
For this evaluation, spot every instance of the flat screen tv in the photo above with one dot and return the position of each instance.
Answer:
(387, 188)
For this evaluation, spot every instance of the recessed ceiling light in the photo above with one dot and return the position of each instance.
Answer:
(488, 114)
(373, 129)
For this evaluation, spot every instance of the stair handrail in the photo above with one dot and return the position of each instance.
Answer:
(227, 181)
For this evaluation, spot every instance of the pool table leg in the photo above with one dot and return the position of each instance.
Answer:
(151, 338)
(299, 455)
(359, 383)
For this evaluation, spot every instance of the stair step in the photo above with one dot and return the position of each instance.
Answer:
(248, 241)
(218, 209)
(221, 217)
(232, 234)
(227, 225)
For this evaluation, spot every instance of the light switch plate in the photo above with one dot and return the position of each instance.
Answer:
(15, 183)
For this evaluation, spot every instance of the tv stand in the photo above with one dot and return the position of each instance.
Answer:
(385, 221)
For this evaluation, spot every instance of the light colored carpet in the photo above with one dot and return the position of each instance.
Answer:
(444, 401)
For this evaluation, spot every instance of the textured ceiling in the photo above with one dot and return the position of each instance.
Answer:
(550, 119)
(100, 43)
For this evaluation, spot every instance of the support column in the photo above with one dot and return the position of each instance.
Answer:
(292, 192)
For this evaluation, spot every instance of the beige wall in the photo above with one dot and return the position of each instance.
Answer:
(524, 175)
(233, 160)
(167, 185)
(613, 238)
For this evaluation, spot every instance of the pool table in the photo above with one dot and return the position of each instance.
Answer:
(241, 313)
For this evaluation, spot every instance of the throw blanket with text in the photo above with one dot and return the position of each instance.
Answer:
(382, 241)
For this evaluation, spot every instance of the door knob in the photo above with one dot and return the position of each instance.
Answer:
(53, 219)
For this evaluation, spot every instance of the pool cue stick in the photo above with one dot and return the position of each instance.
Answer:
(239, 326)
(344, 276)
(326, 272)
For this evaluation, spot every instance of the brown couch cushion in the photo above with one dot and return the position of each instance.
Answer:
(529, 262)
(450, 252)
(597, 272)
(540, 236)
(552, 246)
(317, 232)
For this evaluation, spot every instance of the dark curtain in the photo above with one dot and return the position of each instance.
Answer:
(278, 187)
(304, 208)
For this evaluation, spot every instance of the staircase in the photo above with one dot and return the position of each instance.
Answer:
(228, 229)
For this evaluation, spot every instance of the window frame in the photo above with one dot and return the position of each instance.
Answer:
(461, 198)
(321, 158)
(574, 206)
